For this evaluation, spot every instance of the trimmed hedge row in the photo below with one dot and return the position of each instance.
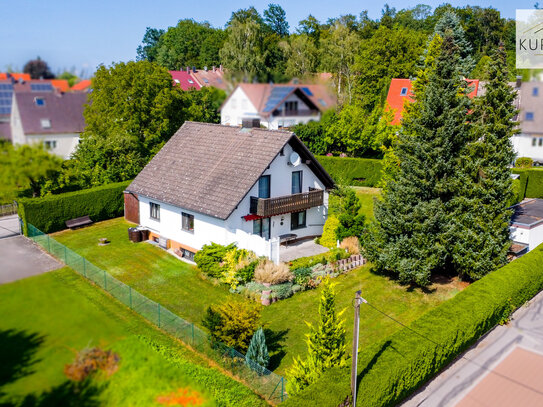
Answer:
(50, 213)
(364, 172)
(392, 369)
(531, 181)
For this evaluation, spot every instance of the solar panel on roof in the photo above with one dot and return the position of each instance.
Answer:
(277, 94)
(307, 91)
(41, 87)
(6, 86)
(5, 110)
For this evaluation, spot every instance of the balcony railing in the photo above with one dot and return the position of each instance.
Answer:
(285, 204)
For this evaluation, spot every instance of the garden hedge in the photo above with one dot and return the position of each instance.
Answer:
(353, 171)
(50, 213)
(531, 182)
(392, 369)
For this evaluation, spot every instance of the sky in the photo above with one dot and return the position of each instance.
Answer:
(79, 35)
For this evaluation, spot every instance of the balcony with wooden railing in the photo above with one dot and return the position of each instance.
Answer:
(266, 207)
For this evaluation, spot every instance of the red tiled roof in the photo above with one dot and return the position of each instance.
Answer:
(82, 85)
(15, 75)
(210, 78)
(396, 98)
(185, 80)
(60, 84)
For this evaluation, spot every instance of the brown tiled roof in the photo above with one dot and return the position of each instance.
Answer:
(5, 131)
(64, 111)
(209, 168)
(211, 77)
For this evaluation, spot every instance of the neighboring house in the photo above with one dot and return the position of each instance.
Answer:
(61, 85)
(276, 106)
(83, 85)
(185, 80)
(14, 75)
(400, 91)
(527, 226)
(10, 85)
(54, 119)
(222, 184)
(529, 142)
(211, 77)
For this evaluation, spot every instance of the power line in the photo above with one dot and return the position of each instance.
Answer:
(462, 357)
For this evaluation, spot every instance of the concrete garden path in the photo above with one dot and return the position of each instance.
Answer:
(303, 248)
(502, 369)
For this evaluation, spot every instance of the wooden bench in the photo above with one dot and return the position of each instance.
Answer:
(287, 238)
(78, 222)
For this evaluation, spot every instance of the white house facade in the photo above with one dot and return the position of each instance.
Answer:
(284, 196)
(276, 106)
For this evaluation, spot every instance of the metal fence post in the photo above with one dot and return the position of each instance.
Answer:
(158, 306)
(84, 267)
(105, 281)
(65, 256)
(282, 387)
(48, 244)
(130, 296)
(192, 328)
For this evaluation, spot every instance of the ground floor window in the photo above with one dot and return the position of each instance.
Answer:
(187, 254)
(50, 144)
(297, 220)
(261, 227)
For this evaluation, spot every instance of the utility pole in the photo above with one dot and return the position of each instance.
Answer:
(356, 304)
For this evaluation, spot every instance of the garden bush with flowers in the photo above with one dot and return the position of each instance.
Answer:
(263, 281)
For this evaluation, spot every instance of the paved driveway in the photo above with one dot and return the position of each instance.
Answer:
(502, 369)
(299, 249)
(20, 257)
(9, 226)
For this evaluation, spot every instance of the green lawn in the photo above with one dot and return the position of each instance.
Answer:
(47, 318)
(180, 288)
(366, 196)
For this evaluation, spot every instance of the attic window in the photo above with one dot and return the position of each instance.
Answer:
(322, 102)
(205, 80)
(191, 81)
(529, 116)
(45, 123)
(39, 101)
(403, 92)
(176, 80)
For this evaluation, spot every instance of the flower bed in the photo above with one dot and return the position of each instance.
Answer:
(263, 281)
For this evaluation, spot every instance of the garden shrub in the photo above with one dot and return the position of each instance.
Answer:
(393, 368)
(210, 257)
(524, 162)
(351, 244)
(237, 266)
(353, 171)
(50, 213)
(247, 272)
(283, 290)
(302, 275)
(309, 261)
(270, 273)
(328, 238)
(89, 361)
(232, 323)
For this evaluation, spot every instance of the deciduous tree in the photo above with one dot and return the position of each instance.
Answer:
(38, 69)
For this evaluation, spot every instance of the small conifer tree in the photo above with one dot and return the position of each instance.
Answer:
(257, 355)
(325, 343)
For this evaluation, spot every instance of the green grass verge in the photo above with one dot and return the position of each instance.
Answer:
(47, 318)
(180, 288)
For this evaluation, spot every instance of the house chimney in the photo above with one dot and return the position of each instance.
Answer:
(220, 67)
(194, 69)
(188, 69)
(205, 68)
(213, 68)
(519, 82)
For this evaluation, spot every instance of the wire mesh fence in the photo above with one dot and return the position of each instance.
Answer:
(9, 209)
(260, 379)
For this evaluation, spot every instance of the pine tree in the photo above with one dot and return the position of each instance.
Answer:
(449, 25)
(257, 356)
(413, 229)
(325, 343)
(482, 217)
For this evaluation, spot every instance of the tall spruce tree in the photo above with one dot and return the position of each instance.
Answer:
(325, 343)
(413, 228)
(449, 25)
(481, 214)
(257, 356)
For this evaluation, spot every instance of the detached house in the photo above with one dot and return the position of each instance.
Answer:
(222, 184)
(276, 106)
(54, 119)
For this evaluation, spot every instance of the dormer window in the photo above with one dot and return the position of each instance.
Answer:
(191, 81)
(403, 92)
(39, 101)
(529, 116)
(176, 81)
(45, 123)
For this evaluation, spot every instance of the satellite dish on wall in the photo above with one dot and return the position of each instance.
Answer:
(295, 159)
